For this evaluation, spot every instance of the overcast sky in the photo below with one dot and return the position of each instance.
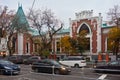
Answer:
(64, 9)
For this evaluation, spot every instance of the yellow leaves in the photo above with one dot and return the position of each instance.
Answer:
(65, 42)
(82, 40)
(36, 40)
(114, 33)
(113, 38)
(82, 33)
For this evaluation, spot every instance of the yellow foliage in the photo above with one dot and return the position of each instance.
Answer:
(114, 33)
(113, 37)
(82, 40)
(65, 44)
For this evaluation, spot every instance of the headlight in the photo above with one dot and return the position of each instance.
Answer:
(7, 67)
(63, 68)
(18, 66)
(94, 66)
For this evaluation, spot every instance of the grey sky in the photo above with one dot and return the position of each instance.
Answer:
(64, 9)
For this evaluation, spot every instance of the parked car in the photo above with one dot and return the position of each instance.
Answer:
(113, 66)
(15, 59)
(18, 59)
(74, 61)
(7, 67)
(32, 59)
(50, 66)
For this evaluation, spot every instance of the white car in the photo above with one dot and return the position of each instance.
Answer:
(74, 61)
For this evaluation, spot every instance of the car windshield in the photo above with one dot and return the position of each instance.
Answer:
(5, 62)
(49, 61)
(113, 63)
(55, 62)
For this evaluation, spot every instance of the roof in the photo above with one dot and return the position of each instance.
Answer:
(34, 31)
(107, 24)
(20, 18)
(63, 31)
(21, 15)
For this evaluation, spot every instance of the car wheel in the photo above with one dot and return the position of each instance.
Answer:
(57, 72)
(36, 70)
(76, 66)
(1, 72)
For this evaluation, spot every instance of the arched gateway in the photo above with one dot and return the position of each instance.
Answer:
(85, 21)
(85, 27)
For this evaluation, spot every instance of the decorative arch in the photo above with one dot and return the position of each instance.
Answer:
(89, 35)
(78, 30)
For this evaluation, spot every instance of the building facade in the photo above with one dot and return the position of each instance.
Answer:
(97, 31)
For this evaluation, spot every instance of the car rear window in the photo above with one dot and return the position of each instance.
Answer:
(74, 58)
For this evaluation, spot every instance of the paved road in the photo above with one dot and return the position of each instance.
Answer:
(76, 74)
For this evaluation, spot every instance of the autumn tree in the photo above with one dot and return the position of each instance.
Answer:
(65, 44)
(113, 40)
(82, 41)
(47, 25)
(75, 46)
(113, 36)
(69, 45)
(73, 43)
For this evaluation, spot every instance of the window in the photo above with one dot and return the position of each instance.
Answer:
(114, 63)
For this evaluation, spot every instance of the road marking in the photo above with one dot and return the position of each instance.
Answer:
(102, 77)
(71, 76)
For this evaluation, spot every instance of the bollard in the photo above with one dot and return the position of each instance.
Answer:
(53, 70)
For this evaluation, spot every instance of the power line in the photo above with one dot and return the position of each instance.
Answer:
(33, 4)
(32, 7)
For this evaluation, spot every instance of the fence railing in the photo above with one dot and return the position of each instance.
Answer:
(93, 63)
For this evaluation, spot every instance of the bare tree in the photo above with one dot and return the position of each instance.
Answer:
(6, 17)
(114, 15)
(10, 24)
(46, 24)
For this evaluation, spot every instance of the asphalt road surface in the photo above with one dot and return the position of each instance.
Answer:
(76, 74)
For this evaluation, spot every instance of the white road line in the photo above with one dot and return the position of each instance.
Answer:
(72, 76)
(102, 77)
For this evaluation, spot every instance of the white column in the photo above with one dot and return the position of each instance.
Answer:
(20, 43)
(106, 41)
(70, 24)
(91, 43)
(99, 33)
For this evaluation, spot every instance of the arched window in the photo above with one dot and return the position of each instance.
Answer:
(84, 27)
(85, 40)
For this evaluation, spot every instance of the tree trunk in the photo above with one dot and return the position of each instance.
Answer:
(9, 44)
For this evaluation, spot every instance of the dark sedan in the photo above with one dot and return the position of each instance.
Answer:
(113, 66)
(7, 67)
(50, 66)
(32, 59)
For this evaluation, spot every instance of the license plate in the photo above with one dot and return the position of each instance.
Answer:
(16, 72)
